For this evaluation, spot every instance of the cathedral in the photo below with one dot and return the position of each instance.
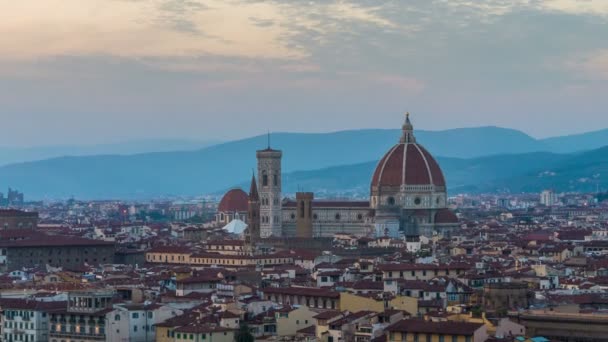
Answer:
(408, 198)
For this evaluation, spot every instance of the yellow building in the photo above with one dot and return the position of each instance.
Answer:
(193, 332)
(355, 303)
(416, 330)
(177, 255)
(168, 255)
(290, 320)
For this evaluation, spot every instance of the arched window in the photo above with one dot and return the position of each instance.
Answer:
(275, 180)
(264, 178)
(390, 201)
(302, 209)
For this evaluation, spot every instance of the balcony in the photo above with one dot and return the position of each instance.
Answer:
(74, 335)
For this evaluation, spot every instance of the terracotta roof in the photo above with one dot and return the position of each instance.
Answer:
(407, 164)
(302, 291)
(43, 240)
(235, 200)
(34, 305)
(309, 331)
(446, 328)
(15, 212)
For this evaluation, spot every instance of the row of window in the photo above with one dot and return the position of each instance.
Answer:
(184, 336)
(337, 217)
(11, 314)
(428, 337)
(135, 315)
(220, 261)
(66, 261)
(424, 272)
(275, 179)
(266, 201)
(59, 251)
(266, 219)
(62, 328)
(19, 325)
(20, 337)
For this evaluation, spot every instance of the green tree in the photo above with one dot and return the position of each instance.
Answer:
(244, 335)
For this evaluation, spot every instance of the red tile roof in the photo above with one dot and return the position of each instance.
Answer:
(446, 328)
(409, 164)
(235, 200)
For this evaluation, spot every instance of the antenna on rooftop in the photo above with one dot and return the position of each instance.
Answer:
(269, 139)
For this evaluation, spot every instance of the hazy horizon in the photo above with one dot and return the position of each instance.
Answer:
(210, 142)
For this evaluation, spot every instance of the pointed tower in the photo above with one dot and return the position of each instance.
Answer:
(269, 177)
(252, 233)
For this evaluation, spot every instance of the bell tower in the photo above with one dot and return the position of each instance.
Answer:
(269, 187)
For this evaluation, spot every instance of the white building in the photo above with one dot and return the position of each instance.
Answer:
(27, 319)
(548, 198)
(136, 322)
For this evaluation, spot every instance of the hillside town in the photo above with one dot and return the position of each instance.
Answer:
(410, 264)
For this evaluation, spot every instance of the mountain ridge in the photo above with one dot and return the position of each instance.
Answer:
(223, 165)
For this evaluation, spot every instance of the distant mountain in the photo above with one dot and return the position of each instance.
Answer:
(577, 142)
(582, 172)
(515, 173)
(11, 155)
(475, 155)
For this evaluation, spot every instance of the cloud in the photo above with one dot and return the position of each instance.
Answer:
(193, 58)
(592, 66)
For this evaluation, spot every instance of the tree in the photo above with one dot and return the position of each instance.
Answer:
(244, 335)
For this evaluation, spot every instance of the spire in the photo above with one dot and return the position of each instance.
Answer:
(253, 189)
(269, 139)
(408, 131)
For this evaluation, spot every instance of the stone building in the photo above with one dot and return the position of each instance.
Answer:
(408, 198)
(27, 319)
(269, 187)
(233, 206)
(329, 218)
(83, 319)
(408, 190)
(501, 297)
(39, 250)
(17, 219)
(252, 232)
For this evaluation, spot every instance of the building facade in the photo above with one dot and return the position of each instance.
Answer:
(269, 187)
(17, 219)
(39, 250)
(84, 318)
(408, 198)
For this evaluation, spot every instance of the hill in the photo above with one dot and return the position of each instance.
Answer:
(577, 142)
(221, 166)
(11, 155)
(527, 172)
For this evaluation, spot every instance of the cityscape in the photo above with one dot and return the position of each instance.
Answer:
(258, 264)
(304, 171)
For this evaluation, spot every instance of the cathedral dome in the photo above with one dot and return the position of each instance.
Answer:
(408, 164)
(235, 200)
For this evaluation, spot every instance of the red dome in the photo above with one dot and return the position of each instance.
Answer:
(235, 200)
(407, 163)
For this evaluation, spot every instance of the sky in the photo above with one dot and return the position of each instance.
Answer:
(94, 71)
